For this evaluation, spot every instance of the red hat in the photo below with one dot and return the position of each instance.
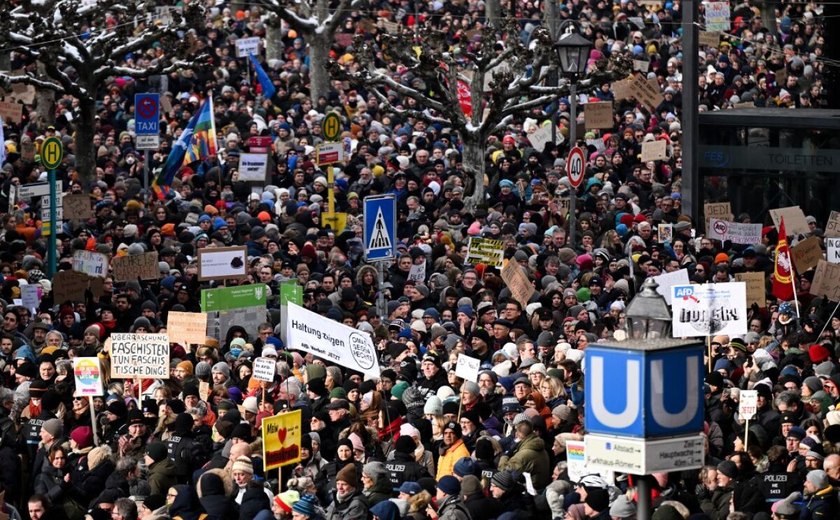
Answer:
(640, 218)
(627, 219)
(82, 436)
(264, 216)
(508, 139)
(818, 353)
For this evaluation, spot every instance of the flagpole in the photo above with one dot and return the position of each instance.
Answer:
(795, 298)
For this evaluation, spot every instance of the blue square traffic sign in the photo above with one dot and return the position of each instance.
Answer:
(147, 121)
(380, 227)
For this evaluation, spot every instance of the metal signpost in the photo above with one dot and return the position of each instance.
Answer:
(380, 238)
(52, 152)
(147, 128)
(575, 169)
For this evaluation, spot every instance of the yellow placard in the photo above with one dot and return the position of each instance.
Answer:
(281, 439)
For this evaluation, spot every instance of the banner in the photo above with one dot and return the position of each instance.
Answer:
(237, 297)
(331, 341)
(88, 375)
(485, 251)
(281, 437)
(735, 232)
(90, 263)
(144, 266)
(717, 16)
(709, 309)
(782, 268)
(139, 355)
(187, 327)
(221, 263)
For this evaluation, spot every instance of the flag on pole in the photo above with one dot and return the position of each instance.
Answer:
(267, 86)
(2, 143)
(783, 269)
(197, 143)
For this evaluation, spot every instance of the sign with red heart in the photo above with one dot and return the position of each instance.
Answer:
(281, 439)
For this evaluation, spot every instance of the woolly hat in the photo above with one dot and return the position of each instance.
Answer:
(244, 465)
(503, 480)
(202, 370)
(348, 475)
(375, 470)
(433, 406)
(449, 485)
(306, 506)
(666, 512)
(286, 500)
(405, 444)
(598, 499)
(470, 485)
(787, 508)
(54, 427)
(728, 468)
(818, 478)
(156, 450)
(464, 466)
(623, 508)
(186, 366)
(222, 368)
(82, 436)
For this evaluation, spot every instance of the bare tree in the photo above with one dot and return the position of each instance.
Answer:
(317, 22)
(76, 47)
(476, 86)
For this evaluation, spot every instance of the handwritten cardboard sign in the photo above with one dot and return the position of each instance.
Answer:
(806, 254)
(622, 89)
(131, 267)
(139, 355)
(709, 38)
(794, 220)
(70, 286)
(832, 227)
(645, 92)
(654, 151)
(718, 210)
(827, 281)
(90, 263)
(77, 207)
(189, 327)
(518, 283)
(756, 290)
(598, 115)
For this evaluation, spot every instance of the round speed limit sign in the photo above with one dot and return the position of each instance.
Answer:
(576, 166)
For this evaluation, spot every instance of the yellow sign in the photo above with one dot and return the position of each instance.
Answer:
(281, 439)
(51, 153)
(331, 126)
(336, 221)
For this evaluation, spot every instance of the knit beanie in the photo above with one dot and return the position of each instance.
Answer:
(82, 436)
(449, 485)
(405, 444)
(433, 406)
(186, 366)
(347, 474)
(286, 500)
(54, 427)
(598, 499)
(222, 368)
(202, 370)
(243, 464)
(470, 485)
(503, 480)
(375, 470)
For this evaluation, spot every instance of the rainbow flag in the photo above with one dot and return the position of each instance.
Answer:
(197, 143)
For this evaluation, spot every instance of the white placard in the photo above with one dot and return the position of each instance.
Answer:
(331, 341)
(30, 295)
(139, 355)
(220, 263)
(832, 246)
(735, 232)
(467, 368)
(253, 167)
(246, 46)
(87, 372)
(264, 369)
(417, 273)
(668, 280)
(709, 309)
(748, 404)
(90, 263)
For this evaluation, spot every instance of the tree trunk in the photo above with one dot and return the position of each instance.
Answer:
(44, 101)
(85, 151)
(273, 36)
(319, 55)
(768, 17)
(474, 167)
(493, 11)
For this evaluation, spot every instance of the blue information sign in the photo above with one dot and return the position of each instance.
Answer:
(380, 227)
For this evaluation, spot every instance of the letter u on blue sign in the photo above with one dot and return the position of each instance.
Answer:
(644, 394)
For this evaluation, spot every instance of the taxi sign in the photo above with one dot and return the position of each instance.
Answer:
(52, 152)
(331, 126)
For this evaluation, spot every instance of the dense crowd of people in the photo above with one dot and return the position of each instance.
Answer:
(417, 442)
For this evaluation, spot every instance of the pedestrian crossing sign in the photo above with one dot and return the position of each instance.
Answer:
(380, 214)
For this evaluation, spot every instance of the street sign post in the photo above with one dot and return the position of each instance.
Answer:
(52, 152)
(37, 189)
(146, 128)
(325, 155)
(380, 236)
(575, 169)
(331, 126)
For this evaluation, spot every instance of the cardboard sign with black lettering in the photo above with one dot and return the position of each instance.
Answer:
(827, 281)
(794, 220)
(598, 115)
(806, 254)
(654, 151)
(70, 286)
(77, 206)
(719, 210)
(646, 93)
(11, 112)
(832, 227)
(709, 38)
(756, 289)
(131, 267)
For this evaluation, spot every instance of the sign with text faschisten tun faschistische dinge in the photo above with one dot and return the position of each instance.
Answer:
(143, 356)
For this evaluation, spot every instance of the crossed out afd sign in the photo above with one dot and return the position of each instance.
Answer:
(575, 166)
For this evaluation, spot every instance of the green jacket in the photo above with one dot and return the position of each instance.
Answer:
(529, 456)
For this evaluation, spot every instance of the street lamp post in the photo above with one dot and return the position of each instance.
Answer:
(573, 52)
(648, 315)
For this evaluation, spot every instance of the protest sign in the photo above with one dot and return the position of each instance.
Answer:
(709, 38)
(90, 263)
(641, 66)
(598, 115)
(833, 250)
(131, 267)
(832, 227)
(11, 112)
(717, 16)
(139, 355)
(645, 92)
(221, 263)
(806, 253)
(30, 295)
(253, 167)
(467, 368)
(622, 89)
(331, 341)
(718, 210)
(827, 281)
(654, 151)
(517, 281)
(417, 273)
(70, 286)
(77, 206)
(390, 27)
(794, 220)
(237, 297)
(204, 390)
(756, 290)
(747, 404)
(264, 369)
(668, 280)
(735, 232)
(281, 436)
(665, 233)
(542, 136)
(87, 372)
(187, 327)
(246, 46)
(709, 309)
(485, 251)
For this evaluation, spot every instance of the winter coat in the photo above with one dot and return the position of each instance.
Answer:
(481, 506)
(403, 468)
(529, 456)
(717, 506)
(453, 509)
(354, 507)
(446, 462)
(88, 483)
(379, 492)
(162, 476)
(820, 505)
